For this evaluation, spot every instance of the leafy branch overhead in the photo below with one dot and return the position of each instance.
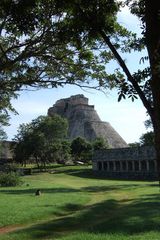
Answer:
(52, 43)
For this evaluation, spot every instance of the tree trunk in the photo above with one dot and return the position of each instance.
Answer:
(156, 118)
(152, 20)
(157, 147)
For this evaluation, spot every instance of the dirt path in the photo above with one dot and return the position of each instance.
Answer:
(10, 228)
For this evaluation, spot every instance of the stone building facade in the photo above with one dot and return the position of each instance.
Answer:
(126, 163)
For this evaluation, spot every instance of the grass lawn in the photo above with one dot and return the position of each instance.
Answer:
(75, 205)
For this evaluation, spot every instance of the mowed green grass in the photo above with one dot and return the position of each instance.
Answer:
(76, 205)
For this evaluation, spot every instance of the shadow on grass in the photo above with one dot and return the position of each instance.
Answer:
(43, 191)
(79, 172)
(88, 173)
(111, 216)
(90, 189)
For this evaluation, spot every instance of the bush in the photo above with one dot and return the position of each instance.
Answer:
(10, 179)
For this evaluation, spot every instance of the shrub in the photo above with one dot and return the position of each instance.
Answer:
(10, 179)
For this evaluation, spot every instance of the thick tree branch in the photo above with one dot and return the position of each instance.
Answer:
(121, 62)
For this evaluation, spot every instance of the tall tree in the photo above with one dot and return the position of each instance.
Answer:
(149, 13)
(42, 139)
(147, 139)
(38, 48)
(81, 150)
(71, 41)
(97, 19)
(4, 119)
(100, 143)
(3, 122)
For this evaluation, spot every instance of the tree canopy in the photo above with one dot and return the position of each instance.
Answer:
(42, 140)
(100, 144)
(4, 121)
(51, 43)
(81, 150)
(147, 139)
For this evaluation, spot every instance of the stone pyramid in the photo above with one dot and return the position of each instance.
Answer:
(84, 121)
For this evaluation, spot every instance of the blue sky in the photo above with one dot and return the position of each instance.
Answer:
(126, 117)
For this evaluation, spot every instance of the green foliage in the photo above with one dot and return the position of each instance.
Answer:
(3, 134)
(148, 124)
(10, 179)
(4, 121)
(81, 150)
(52, 43)
(100, 143)
(147, 139)
(135, 144)
(58, 151)
(42, 139)
(65, 152)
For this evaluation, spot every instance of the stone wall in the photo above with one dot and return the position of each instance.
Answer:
(126, 163)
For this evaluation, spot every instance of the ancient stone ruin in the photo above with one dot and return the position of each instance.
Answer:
(127, 163)
(84, 121)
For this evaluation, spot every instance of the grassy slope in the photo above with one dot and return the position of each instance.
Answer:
(75, 205)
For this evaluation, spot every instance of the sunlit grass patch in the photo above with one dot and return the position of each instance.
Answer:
(76, 205)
